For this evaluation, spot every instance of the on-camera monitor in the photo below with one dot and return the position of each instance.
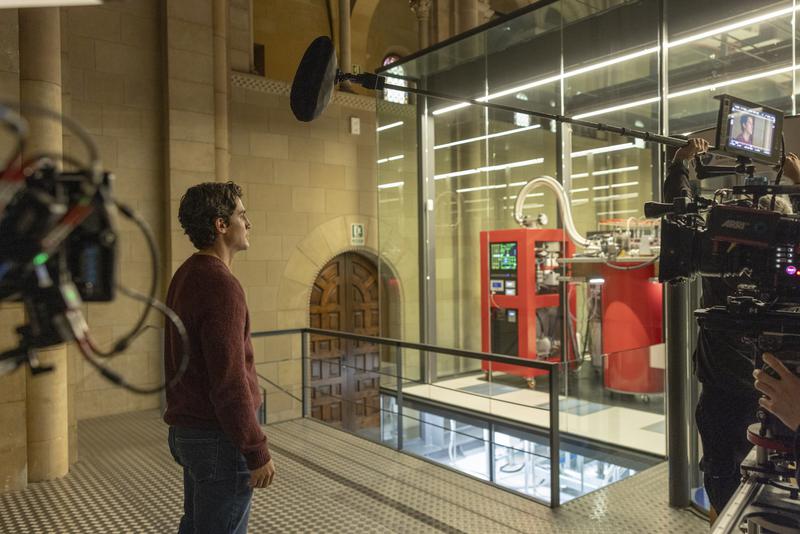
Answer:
(503, 256)
(749, 130)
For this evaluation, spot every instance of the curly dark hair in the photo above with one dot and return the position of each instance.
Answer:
(202, 205)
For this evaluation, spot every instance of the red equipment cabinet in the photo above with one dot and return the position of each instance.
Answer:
(632, 331)
(509, 297)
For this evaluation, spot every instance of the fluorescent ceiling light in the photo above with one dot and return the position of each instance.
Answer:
(618, 107)
(526, 196)
(617, 212)
(488, 136)
(389, 126)
(617, 170)
(732, 26)
(487, 187)
(613, 186)
(10, 4)
(579, 190)
(622, 196)
(390, 185)
(579, 201)
(580, 175)
(490, 168)
(734, 81)
(612, 148)
(392, 158)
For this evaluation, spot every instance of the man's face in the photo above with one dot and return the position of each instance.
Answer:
(748, 125)
(238, 229)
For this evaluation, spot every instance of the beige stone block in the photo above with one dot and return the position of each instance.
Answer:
(264, 248)
(306, 149)
(287, 223)
(104, 88)
(239, 142)
(125, 59)
(12, 386)
(290, 243)
(140, 154)
(316, 248)
(341, 202)
(142, 32)
(335, 233)
(143, 94)
(190, 37)
(13, 433)
(262, 298)
(327, 176)
(317, 219)
(269, 145)
(340, 154)
(197, 11)
(191, 66)
(267, 100)
(281, 121)
(191, 96)
(263, 321)
(269, 198)
(238, 95)
(301, 269)
(307, 199)
(275, 270)
(97, 403)
(192, 156)
(294, 295)
(9, 41)
(368, 156)
(239, 18)
(191, 126)
(13, 469)
(368, 203)
(289, 373)
(48, 460)
(327, 129)
(240, 41)
(9, 85)
(292, 319)
(252, 170)
(251, 273)
(88, 115)
(81, 52)
(121, 122)
(293, 173)
(95, 22)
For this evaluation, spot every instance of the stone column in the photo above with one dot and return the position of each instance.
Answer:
(222, 77)
(466, 15)
(422, 9)
(40, 85)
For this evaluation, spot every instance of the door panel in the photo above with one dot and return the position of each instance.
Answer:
(344, 374)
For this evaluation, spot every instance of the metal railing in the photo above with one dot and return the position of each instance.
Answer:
(553, 369)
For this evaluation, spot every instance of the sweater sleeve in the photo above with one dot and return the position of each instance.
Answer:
(677, 183)
(222, 337)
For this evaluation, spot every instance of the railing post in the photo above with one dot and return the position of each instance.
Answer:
(399, 371)
(555, 439)
(306, 370)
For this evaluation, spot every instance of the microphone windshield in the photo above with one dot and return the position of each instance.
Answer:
(313, 83)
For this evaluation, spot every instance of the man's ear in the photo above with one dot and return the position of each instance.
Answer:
(219, 224)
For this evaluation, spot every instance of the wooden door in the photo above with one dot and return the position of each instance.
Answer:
(344, 374)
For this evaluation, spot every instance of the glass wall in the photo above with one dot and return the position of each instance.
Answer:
(448, 172)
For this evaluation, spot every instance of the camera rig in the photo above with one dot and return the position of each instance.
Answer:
(58, 249)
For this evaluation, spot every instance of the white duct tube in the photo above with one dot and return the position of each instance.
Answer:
(564, 206)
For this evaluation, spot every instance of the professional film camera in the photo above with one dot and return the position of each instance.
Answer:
(740, 237)
(58, 248)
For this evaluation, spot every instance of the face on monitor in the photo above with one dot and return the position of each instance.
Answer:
(749, 130)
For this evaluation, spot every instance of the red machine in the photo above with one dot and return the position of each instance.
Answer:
(520, 313)
(632, 331)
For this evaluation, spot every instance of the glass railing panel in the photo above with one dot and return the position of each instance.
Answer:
(278, 361)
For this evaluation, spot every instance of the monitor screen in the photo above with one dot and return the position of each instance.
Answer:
(749, 130)
(503, 256)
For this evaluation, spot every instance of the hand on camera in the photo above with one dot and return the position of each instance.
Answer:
(791, 168)
(781, 395)
(695, 146)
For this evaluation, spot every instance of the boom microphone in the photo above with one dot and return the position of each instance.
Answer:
(313, 83)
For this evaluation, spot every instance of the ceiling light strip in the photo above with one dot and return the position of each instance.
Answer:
(489, 168)
(488, 136)
(389, 126)
(391, 185)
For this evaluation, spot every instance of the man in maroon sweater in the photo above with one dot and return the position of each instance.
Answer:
(214, 433)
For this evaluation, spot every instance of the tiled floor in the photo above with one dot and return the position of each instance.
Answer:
(327, 481)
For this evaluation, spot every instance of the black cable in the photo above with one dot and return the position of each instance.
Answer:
(116, 378)
(125, 341)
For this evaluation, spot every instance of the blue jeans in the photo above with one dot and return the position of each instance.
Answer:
(216, 491)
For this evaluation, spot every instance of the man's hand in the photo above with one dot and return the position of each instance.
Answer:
(782, 395)
(791, 168)
(262, 477)
(695, 146)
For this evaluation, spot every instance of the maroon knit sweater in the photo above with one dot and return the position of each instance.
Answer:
(220, 387)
